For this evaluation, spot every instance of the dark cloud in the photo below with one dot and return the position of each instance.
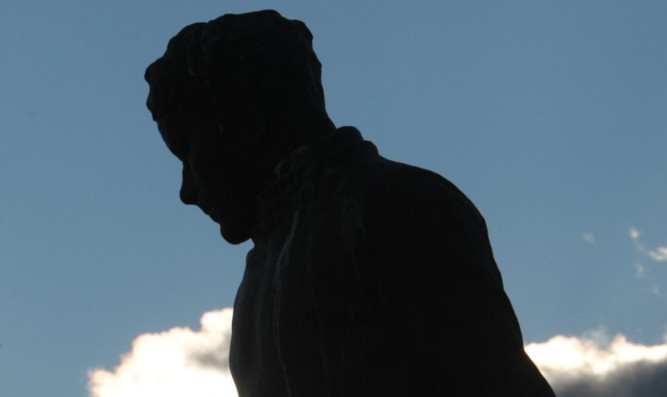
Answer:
(592, 366)
(641, 379)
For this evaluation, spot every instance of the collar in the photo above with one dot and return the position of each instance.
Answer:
(300, 173)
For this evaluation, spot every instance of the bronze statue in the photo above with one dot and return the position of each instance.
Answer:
(367, 277)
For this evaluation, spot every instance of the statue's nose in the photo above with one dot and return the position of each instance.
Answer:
(188, 191)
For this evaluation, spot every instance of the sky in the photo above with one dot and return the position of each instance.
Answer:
(550, 116)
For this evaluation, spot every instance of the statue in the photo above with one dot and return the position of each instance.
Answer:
(367, 277)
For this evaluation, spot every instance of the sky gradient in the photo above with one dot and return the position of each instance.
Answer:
(551, 117)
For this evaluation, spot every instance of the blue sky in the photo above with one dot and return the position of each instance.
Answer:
(550, 116)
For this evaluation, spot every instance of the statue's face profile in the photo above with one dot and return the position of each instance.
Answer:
(214, 178)
(232, 97)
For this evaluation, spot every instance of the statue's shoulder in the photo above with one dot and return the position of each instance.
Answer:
(381, 190)
(401, 191)
(411, 183)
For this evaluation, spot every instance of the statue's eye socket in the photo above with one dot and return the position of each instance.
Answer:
(180, 149)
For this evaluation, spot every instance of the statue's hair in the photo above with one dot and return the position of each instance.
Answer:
(208, 64)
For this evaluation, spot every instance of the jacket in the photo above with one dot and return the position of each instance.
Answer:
(370, 277)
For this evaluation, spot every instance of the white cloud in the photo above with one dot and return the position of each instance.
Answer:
(183, 362)
(178, 362)
(589, 237)
(582, 366)
(658, 254)
(640, 271)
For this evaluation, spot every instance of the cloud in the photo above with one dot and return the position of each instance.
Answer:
(178, 362)
(585, 367)
(658, 254)
(640, 271)
(589, 238)
(183, 362)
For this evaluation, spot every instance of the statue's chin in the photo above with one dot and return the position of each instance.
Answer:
(232, 236)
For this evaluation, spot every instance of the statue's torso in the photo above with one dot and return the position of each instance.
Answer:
(368, 278)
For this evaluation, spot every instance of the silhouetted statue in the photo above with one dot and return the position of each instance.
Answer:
(367, 277)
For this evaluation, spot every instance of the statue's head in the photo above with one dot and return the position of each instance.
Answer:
(232, 97)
